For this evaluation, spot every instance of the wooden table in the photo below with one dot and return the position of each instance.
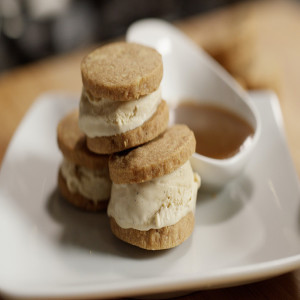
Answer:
(20, 87)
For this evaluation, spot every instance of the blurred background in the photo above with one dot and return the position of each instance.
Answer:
(256, 41)
(34, 29)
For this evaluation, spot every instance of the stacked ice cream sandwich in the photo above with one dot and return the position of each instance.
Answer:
(83, 177)
(121, 105)
(154, 191)
(122, 116)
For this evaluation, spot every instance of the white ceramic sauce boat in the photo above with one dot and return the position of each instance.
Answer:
(190, 73)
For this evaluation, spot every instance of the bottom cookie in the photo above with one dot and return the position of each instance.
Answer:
(77, 199)
(156, 239)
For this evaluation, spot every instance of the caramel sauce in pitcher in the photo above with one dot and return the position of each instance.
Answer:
(219, 132)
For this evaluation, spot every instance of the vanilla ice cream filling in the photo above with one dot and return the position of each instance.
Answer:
(92, 184)
(156, 203)
(106, 117)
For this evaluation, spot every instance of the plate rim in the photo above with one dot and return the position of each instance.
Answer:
(185, 283)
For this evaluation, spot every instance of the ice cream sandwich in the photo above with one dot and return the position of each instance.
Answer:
(154, 191)
(121, 105)
(83, 177)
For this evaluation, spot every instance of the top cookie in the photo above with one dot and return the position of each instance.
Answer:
(121, 71)
(159, 157)
(72, 143)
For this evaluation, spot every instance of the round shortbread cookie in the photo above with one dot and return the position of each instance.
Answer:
(156, 239)
(159, 157)
(72, 143)
(121, 71)
(77, 199)
(132, 138)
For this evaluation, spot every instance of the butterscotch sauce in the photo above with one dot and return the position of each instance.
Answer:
(219, 133)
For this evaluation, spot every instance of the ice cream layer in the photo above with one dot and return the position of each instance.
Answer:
(92, 184)
(107, 117)
(157, 203)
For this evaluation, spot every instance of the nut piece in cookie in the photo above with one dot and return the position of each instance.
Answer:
(121, 105)
(83, 177)
(154, 191)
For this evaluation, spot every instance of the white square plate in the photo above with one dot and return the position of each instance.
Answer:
(247, 232)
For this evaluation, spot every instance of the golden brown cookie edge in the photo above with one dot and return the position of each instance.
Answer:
(156, 239)
(122, 172)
